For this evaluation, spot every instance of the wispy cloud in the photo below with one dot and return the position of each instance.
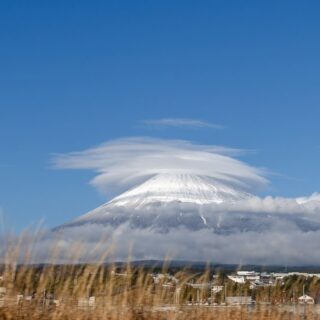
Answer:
(182, 122)
(123, 163)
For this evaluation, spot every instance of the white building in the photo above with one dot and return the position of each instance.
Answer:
(243, 276)
(237, 279)
(305, 299)
(159, 277)
(248, 273)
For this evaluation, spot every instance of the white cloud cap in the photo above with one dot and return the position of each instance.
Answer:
(123, 163)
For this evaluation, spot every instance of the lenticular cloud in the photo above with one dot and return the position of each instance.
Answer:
(124, 163)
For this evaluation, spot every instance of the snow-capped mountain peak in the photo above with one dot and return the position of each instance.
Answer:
(178, 187)
(163, 190)
(167, 202)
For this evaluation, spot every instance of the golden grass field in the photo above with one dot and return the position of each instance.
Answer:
(109, 291)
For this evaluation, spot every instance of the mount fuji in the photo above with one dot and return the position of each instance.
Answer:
(168, 201)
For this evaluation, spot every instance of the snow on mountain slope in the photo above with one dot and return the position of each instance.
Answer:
(178, 187)
(169, 201)
(165, 201)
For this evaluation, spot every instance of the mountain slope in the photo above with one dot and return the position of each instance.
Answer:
(169, 201)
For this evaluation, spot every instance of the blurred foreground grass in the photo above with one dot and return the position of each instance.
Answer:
(123, 291)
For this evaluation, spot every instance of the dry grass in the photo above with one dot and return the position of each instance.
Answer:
(119, 312)
(126, 292)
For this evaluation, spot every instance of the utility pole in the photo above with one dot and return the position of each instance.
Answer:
(44, 299)
(304, 303)
(225, 293)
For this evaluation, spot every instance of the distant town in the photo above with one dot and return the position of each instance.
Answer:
(250, 287)
(183, 288)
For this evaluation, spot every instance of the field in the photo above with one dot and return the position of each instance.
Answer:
(180, 314)
(141, 291)
(100, 291)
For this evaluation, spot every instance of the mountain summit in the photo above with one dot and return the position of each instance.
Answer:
(178, 187)
(165, 201)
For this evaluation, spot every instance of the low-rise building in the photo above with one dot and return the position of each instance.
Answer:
(160, 277)
(237, 279)
(305, 299)
(243, 276)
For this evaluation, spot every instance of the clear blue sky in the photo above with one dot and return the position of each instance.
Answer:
(78, 73)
